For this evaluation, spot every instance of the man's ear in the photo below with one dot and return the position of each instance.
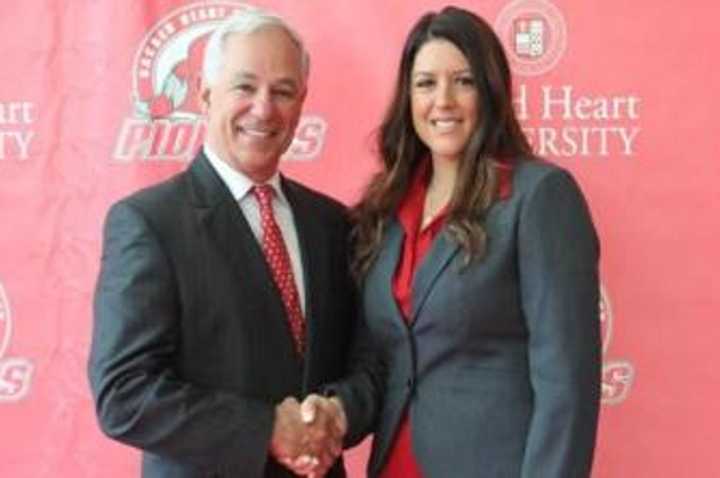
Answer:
(203, 98)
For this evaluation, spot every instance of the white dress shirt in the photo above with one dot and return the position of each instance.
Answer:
(240, 187)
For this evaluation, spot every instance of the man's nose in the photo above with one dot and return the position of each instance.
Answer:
(263, 104)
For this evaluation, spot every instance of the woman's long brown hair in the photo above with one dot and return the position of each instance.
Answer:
(498, 138)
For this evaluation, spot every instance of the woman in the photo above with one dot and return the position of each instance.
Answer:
(480, 283)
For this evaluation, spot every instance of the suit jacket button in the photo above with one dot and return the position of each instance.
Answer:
(410, 383)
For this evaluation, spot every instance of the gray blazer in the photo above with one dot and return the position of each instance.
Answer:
(191, 349)
(500, 367)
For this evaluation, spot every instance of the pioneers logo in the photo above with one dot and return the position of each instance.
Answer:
(617, 375)
(15, 372)
(167, 123)
(534, 35)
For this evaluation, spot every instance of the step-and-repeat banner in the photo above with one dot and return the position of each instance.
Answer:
(96, 101)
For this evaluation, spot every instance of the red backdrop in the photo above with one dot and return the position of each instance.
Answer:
(94, 105)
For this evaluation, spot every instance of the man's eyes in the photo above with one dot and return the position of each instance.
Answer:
(245, 87)
(284, 93)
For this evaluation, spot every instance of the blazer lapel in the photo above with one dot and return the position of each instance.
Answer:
(310, 238)
(313, 256)
(438, 257)
(379, 282)
(226, 226)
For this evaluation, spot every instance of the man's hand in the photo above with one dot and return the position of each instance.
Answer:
(327, 425)
(288, 439)
(313, 449)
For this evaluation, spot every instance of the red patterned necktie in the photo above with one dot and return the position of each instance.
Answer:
(278, 259)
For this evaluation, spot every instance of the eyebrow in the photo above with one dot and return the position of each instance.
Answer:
(290, 82)
(432, 73)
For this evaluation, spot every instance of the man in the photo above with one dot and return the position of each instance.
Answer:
(226, 288)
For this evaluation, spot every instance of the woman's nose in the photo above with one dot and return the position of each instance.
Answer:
(445, 94)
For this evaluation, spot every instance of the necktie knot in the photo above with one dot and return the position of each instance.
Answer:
(264, 194)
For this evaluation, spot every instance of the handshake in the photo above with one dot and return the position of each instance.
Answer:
(307, 437)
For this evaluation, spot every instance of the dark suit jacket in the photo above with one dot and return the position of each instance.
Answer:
(191, 348)
(500, 368)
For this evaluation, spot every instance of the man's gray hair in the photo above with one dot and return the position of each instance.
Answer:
(247, 21)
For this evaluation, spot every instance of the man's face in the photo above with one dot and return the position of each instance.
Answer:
(254, 104)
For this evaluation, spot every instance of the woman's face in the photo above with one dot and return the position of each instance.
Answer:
(443, 99)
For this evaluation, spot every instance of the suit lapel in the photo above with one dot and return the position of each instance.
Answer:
(314, 253)
(310, 238)
(226, 226)
(438, 257)
(379, 282)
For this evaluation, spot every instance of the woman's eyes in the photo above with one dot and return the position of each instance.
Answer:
(429, 82)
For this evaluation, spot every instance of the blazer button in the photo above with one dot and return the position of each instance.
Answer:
(410, 383)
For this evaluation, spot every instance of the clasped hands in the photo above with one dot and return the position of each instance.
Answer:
(307, 437)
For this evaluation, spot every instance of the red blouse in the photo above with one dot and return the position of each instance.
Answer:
(401, 459)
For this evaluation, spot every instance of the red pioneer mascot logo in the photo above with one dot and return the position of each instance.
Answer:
(178, 87)
(167, 122)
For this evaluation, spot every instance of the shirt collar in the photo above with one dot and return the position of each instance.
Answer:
(237, 182)
(411, 206)
(505, 178)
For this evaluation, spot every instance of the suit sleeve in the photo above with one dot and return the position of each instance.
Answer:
(140, 398)
(362, 390)
(558, 264)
